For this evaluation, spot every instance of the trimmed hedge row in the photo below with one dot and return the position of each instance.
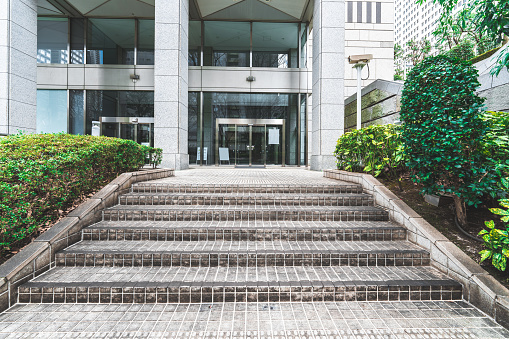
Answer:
(43, 174)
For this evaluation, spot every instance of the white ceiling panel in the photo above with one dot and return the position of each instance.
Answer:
(291, 7)
(85, 6)
(208, 7)
(123, 8)
(45, 8)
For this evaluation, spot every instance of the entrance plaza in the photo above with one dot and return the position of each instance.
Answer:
(244, 253)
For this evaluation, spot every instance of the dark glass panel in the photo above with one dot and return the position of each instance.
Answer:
(275, 44)
(227, 44)
(77, 41)
(110, 41)
(76, 112)
(146, 32)
(52, 38)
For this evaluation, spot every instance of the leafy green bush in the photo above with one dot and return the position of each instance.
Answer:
(443, 131)
(465, 50)
(497, 142)
(375, 149)
(496, 241)
(153, 155)
(41, 175)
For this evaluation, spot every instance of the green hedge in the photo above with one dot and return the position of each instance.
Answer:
(42, 175)
(376, 149)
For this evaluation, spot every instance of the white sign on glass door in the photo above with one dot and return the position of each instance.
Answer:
(274, 136)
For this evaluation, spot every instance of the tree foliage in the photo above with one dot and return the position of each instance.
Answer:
(417, 51)
(490, 18)
(443, 131)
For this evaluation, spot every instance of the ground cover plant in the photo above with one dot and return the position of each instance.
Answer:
(43, 174)
(376, 149)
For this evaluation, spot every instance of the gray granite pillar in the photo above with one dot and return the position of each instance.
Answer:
(18, 66)
(328, 81)
(171, 81)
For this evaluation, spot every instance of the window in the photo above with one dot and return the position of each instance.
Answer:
(52, 37)
(227, 44)
(51, 111)
(110, 41)
(146, 33)
(194, 43)
(275, 45)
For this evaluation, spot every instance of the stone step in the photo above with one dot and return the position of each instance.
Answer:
(236, 284)
(233, 213)
(245, 231)
(247, 199)
(242, 253)
(334, 187)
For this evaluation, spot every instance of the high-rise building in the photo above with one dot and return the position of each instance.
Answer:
(416, 22)
(246, 82)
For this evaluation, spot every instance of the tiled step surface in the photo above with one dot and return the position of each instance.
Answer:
(243, 254)
(239, 284)
(232, 213)
(431, 319)
(330, 188)
(245, 230)
(243, 199)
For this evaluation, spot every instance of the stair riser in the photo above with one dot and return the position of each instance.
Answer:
(245, 201)
(243, 235)
(241, 260)
(154, 188)
(116, 215)
(278, 293)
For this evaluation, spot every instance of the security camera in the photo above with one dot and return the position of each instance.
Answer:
(354, 59)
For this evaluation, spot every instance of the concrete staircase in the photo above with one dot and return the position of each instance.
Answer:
(181, 243)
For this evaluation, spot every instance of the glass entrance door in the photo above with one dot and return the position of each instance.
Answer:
(256, 142)
(136, 129)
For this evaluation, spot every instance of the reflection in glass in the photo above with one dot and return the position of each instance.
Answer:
(253, 106)
(77, 41)
(118, 104)
(303, 47)
(275, 45)
(227, 44)
(110, 41)
(194, 43)
(146, 32)
(193, 126)
(52, 36)
(51, 111)
(303, 104)
(76, 112)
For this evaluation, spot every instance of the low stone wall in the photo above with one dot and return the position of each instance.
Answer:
(39, 256)
(380, 104)
(479, 287)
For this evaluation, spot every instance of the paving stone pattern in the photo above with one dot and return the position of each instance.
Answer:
(221, 253)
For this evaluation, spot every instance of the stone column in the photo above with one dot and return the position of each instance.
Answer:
(171, 81)
(18, 66)
(328, 81)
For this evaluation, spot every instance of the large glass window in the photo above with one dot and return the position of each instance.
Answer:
(118, 104)
(227, 44)
(77, 41)
(146, 32)
(110, 41)
(51, 111)
(76, 112)
(194, 123)
(303, 46)
(52, 37)
(251, 106)
(275, 45)
(194, 43)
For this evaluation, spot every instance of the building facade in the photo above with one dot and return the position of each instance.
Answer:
(245, 82)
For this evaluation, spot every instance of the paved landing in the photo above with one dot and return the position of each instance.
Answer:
(442, 319)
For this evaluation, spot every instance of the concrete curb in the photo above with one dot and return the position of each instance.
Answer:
(479, 287)
(39, 256)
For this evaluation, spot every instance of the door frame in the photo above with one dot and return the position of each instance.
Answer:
(251, 122)
(127, 121)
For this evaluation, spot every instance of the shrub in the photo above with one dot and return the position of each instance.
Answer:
(376, 150)
(465, 50)
(41, 175)
(496, 241)
(497, 142)
(443, 131)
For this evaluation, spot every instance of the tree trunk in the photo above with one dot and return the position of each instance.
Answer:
(461, 210)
